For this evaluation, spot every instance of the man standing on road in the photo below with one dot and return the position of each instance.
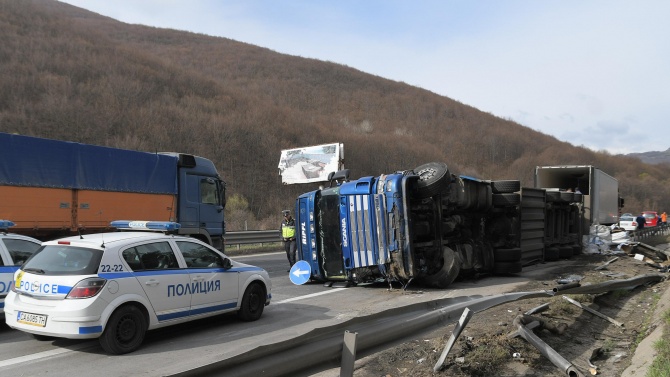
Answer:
(288, 236)
(640, 220)
(664, 218)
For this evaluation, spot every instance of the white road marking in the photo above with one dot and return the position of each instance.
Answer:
(311, 295)
(41, 355)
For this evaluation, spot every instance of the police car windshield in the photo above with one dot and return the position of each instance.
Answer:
(64, 260)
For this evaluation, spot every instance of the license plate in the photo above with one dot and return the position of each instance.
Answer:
(32, 319)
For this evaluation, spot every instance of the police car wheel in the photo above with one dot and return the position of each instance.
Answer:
(125, 330)
(253, 303)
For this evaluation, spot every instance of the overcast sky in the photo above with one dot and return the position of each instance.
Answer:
(592, 73)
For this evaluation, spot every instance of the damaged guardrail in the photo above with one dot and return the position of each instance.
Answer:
(321, 348)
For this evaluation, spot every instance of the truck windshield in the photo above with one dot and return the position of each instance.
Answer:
(330, 246)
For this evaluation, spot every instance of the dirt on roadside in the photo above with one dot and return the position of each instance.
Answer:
(590, 343)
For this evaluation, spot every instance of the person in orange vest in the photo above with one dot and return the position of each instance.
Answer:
(664, 218)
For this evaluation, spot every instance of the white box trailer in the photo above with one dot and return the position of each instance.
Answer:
(600, 191)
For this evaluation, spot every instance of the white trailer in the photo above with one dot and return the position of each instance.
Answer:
(600, 191)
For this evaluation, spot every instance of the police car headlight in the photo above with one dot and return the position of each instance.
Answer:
(87, 288)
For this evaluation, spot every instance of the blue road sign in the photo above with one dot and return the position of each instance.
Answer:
(300, 272)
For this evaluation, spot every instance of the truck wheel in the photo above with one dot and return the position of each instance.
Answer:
(448, 272)
(507, 255)
(503, 268)
(124, 331)
(506, 200)
(567, 197)
(505, 187)
(433, 178)
(553, 196)
(551, 254)
(253, 303)
(565, 252)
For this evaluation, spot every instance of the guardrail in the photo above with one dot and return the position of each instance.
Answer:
(252, 236)
(653, 231)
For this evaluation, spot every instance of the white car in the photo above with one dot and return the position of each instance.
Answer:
(14, 251)
(116, 286)
(627, 222)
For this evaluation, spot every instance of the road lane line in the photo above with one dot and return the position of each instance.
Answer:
(41, 355)
(311, 295)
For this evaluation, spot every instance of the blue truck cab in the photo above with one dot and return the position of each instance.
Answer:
(423, 224)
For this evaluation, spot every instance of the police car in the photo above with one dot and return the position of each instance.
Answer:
(14, 251)
(116, 286)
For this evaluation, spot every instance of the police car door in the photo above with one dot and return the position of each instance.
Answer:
(214, 287)
(13, 253)
(166, 285)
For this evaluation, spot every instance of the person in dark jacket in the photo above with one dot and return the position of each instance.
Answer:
(640, 220)
(287, 231)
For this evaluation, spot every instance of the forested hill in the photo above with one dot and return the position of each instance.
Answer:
(69, 74)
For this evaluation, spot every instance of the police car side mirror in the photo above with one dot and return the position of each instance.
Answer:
(227, 264)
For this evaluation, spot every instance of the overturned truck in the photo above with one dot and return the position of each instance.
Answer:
(424, 224)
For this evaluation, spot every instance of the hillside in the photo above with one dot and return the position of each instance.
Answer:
(653, 157)
(69, 74)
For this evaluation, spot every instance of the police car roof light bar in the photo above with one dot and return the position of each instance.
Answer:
(161, 226)
(6, 224)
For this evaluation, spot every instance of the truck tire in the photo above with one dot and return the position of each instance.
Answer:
(551, 254)
(567, 197)
(433, 178)
(507, 255)
(505, 187)
(506, 200)
(448, 272)
(553, 196)
(564, 252)
(503, 268)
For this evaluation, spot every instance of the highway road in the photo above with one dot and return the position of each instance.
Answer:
(294, 311)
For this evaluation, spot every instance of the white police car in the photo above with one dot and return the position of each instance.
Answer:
(116, 286)
(14, 251)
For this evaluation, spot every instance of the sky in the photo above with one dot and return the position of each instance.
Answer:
(593, 73)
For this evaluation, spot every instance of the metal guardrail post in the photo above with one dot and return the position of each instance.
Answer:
(348, 354)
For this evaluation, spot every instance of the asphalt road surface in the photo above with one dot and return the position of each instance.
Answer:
(295, 310)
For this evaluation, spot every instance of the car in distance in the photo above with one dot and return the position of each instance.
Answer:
(116, 286)
(651, 218)
(627, 221)
(15, 249)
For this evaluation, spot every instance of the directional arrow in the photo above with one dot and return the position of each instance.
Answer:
(300, 272)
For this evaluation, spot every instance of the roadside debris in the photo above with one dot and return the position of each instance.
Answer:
(594, 312)
(462, 322)
(559, 361)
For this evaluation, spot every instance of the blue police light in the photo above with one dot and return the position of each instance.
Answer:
(4, 224)
(162, 226)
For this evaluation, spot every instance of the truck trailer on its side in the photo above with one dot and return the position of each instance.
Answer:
(53, 188)
(600, 191)
(424, 224)
(431, 226)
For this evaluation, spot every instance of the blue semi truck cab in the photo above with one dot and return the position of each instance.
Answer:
(424, 224)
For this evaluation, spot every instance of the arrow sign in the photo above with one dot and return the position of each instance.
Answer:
(300, 272)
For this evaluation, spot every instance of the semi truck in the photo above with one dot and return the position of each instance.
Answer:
(52, 188)
(424, 224)
(431, 226)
